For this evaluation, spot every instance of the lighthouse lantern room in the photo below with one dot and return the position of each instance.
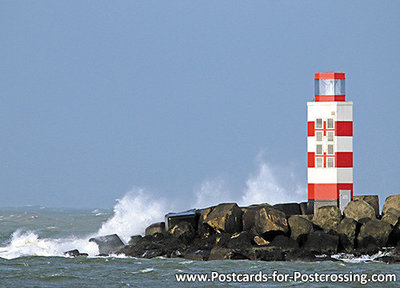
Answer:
(330, 143)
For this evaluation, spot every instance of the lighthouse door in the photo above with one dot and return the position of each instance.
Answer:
(344, 198)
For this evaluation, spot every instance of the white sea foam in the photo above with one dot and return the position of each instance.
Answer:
(29, 244)
(265, 187)
(350, 258)
(133, 213)
(262, 186)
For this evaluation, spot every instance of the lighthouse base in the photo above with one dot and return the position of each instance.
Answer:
(313, 204)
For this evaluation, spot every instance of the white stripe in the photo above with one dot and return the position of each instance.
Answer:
(344, 144)
(339, 111)
(330, 175)
(345, 111)
(311, 144)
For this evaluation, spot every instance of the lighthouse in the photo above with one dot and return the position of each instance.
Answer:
(330, 143)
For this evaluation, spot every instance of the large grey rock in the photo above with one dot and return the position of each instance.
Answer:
(320, 242)
(108, 244)
(225, 217)
(158, 227)
(75, 253)
(204, 230)
(183, 231)
(135, 239)
(240, 240)
(391, 216)
(266, 253)
(288, 208)
(249, 216)
(359, 209)
(299, 226)
(270, 221)
(304, 208)
(372, 200)
(221, 253)
(328, 218)
(347, 230)
(392, 201)
(284, 243)
(374, 232)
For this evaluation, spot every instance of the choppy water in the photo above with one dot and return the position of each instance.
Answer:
(33, 239)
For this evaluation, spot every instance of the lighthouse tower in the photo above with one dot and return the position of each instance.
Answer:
(330, 143)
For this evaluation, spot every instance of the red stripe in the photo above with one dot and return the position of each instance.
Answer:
(327, 191)
(311, 159)
(329, 98)
(344, 159)
(344, 128)
(329, 75)
(310, 128)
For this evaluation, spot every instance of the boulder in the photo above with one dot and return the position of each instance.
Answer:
(391, 216)
(225, 217)
(220, 253)
(184, 231)
(158, 227)
(375, 232)
(249, 216)
(266, 254)
(301, 255)
(203, 230)
(288, 208)
(191, 216)
(158, 244)
(347, 229)
(198, 255)
(75, 253)
(392, 201)
(319, 242)
(259, 241)
(240, 240)
(299, 226)
(372, 200)
(135, 239)
(304, 208)
(108, 244)
(358, 209)
(284, 243)
(394, 237)
(270, 222)
(328, 218)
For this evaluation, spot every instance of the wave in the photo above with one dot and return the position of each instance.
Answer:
(132, 214)
(29, 244)
(139, 208)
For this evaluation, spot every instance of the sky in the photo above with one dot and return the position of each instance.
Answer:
(192, 101)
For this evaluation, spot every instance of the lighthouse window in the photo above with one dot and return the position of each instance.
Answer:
(330, 149)
(319, 162)
(319, 149)
(330, 123)
(330, 136)
(319, 136)
(318, 123)
(330, 162)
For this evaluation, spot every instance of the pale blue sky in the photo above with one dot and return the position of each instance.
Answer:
(100, 96)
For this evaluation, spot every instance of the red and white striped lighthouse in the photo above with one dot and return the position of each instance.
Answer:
(330, 143)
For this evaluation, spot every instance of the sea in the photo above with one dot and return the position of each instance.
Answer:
(33, 240)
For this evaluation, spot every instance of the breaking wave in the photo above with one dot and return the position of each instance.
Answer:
(132, 214)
